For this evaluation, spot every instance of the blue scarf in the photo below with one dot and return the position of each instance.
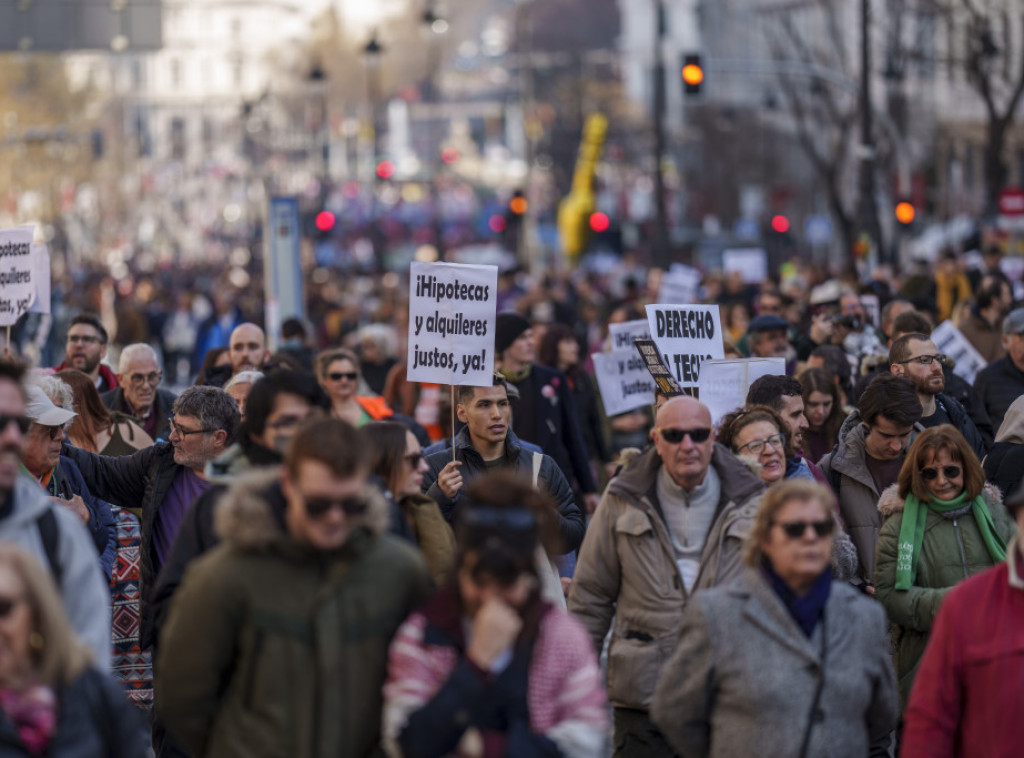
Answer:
(806, 610)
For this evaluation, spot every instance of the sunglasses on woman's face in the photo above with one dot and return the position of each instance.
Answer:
(931, 474)
(337, 376)
(796, 529)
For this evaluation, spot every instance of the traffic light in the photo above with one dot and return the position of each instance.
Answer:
(692, 74)
(510, 232)
(905, 213)
(324, 221)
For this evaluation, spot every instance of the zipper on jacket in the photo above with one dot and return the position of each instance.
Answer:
(960, 543)
(250, 674)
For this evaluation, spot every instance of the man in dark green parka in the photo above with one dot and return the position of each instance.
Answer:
(276, 643)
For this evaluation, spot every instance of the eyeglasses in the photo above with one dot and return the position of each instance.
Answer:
(924, 360)
(675, 436)
(186, 432)
(797, 529)
(8, 604)
(83, 339)
(931, 474)
(316, 507)
(24, 422)
(754, 447)
(137, 380)
(413, 459)
(339, 375)
(53, 432)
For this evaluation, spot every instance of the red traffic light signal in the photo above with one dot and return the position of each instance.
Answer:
(497, 223)
(385, 169)
(324, 221)
(780, 224)
(692, 74)
(599, 222)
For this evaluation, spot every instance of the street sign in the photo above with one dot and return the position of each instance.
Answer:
(1011, 201)
(283, 282)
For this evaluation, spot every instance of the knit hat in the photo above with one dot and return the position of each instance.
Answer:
(508, 327)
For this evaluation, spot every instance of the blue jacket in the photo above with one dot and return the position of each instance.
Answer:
(67, 480)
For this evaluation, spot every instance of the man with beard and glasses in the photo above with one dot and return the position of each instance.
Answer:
(915, 357)
(159, 483)
(671, 523)
(487, 661)
(53, 534)
(85, 348)
(277, 640)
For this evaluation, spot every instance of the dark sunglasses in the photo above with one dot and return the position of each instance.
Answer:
(8, 604)
(675, 436)
(339, 375)
(318, 506)
(796, 529)
(24, 422)
(414, 458)
(931, 474)
(53, 432)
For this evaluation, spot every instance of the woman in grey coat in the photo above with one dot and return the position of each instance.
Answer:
(786, 662)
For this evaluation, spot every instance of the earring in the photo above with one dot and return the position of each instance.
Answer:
(36, 642)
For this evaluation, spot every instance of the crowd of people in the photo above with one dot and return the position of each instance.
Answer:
(302, 553)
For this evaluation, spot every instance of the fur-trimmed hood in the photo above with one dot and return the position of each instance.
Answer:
(890, 502)
(251, 513)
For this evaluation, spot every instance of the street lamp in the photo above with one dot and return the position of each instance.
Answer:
(433, 27)
(371, 54)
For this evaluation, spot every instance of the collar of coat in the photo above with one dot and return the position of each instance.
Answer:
(890, 502)
(464, 446)
(738, 481)
(250, 515)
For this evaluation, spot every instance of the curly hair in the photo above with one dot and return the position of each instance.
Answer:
(734, 422)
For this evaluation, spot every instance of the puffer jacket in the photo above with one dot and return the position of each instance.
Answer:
(276, 649)
(627, 569)
(951, 551)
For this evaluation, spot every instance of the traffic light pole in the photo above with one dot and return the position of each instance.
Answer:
(660, 248)
(867, 210)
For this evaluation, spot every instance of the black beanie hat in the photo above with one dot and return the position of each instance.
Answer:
(507, 329)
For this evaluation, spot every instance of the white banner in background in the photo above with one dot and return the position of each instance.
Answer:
(624, 381)
(17, 266)
(724, 384)
(951, 341)
(686, 335)
(623, 335)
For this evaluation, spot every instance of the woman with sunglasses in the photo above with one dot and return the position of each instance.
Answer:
(786, 662)
(338, 372)
(396, 458)
(942, 524)
(757, 435)
(53, 701)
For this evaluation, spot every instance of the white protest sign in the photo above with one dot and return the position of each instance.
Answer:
(951, 341)
(872, 309)
(724, 384)
(686, 335)
(451, 323)
(680, 284)
(624, 381)
(622, 335)
(17, 286)
(41, 274)
(750, 262)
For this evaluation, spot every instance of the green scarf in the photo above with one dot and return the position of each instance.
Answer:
(915, 513)
(516, 376)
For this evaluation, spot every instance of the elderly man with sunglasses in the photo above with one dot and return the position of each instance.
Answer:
(671, 523)
(277, 640)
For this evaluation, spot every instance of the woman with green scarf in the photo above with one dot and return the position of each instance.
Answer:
(942, 524)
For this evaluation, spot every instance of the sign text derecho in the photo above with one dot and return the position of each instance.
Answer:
(686, 335)
(451, 323)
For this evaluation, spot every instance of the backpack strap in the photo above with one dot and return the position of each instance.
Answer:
(537, 460)
(47, 525)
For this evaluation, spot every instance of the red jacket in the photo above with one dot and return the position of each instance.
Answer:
(970, 685)
(108, 379)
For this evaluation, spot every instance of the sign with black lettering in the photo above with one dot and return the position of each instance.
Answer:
(623, 335)
(663, 379)
(624, 381)
(17, 266)
(951, 342)
(686, 335)
(452, 309)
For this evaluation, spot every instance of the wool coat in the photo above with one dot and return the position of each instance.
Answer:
(742, 679)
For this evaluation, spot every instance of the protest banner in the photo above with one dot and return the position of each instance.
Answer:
(750, 262)
(680, 284)
(452, 309)
(625, 334)
(624, 381)
(686, 335)
(872, 309)
(663, 378)
(724, 384)
(17, 283)
(951, 342)
(41, 274)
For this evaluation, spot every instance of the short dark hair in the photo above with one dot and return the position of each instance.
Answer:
(836, 364)
(90, 319)
(212, 407)
(769, 390)
(465, 391)
(330, 441)
(911, 322)
(12, 371)
(891, 396)
(292, 327)
(900, 350)
(260, 403)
